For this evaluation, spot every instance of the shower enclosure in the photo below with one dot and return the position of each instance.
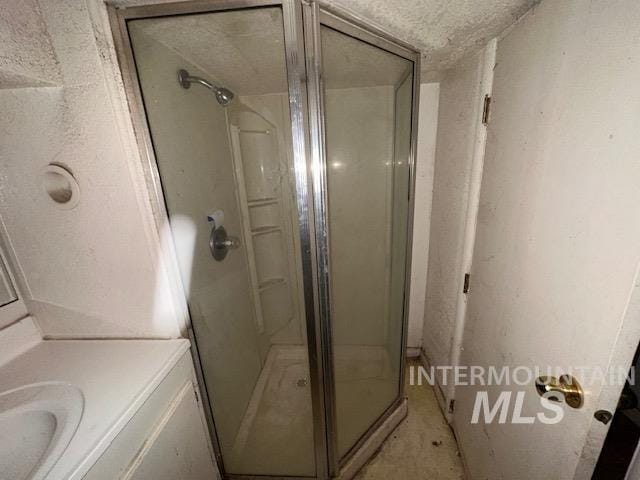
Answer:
(278, 141)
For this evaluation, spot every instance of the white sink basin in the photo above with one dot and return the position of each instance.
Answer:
(37, 422)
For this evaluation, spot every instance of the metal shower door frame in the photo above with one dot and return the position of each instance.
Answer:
(302, 20)
(317, 14)
(119, 15)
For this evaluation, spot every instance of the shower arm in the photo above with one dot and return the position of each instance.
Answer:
(224, 96)
(186, 80)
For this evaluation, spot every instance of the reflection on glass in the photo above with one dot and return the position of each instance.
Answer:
(368, 97)
(229, 162)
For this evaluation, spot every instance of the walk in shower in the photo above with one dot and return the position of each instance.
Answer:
(278, 138)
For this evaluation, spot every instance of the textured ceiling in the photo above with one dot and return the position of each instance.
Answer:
(444, 30)
(243, 50)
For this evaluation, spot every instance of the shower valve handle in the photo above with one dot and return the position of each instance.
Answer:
(220, 243)
(231, 243)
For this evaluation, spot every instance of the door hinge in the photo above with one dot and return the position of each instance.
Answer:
(486, 109)
(452, 404)
(465, 286)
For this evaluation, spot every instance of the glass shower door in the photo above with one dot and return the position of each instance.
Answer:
(368, 93)
(285, 212)
(215, 93)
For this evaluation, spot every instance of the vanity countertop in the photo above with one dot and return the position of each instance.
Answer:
(115, 377)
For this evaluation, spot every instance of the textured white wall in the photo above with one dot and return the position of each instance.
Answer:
(93, 271)
(425, 162)
(457, 118)
(27, 56)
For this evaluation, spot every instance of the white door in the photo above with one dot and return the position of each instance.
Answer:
(554, 277)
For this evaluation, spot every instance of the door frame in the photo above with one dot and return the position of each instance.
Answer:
(301, 20)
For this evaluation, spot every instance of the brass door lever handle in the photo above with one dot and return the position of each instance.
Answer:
(565, 385)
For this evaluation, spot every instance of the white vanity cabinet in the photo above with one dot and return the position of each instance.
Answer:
(166, 439)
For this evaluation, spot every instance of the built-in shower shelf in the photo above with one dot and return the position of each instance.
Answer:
(265, 230)
(261, 202)
(265, 204)
(271, 282)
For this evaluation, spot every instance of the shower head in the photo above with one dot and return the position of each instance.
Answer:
(224, 96)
